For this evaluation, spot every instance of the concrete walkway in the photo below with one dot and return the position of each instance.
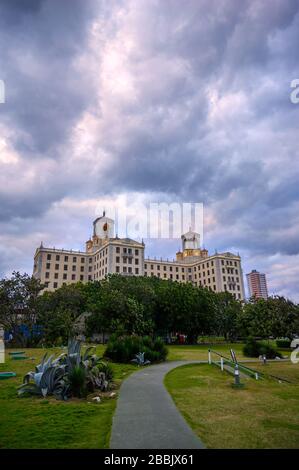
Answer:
(146, 416)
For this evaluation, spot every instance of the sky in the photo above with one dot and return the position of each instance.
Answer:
(145, 101)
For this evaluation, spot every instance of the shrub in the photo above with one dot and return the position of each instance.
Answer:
(125, 348)
(77, 381)
(107, 369)
(254, 348)
(283, 343)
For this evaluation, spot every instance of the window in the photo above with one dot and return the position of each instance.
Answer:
(47, 275)
(57, 257)
(55, 285)
(129, 251)
(48, 257)
(89, 269)
(176, 269)
(66, 258)
(81, 277)
(89, 277)
(117, 269)
(74, 259)
(73, 277)
(74, 267)
(124, 269)
(56, 276)
(117, 249)
(183, 277)
(158, 267)
(90, 260)
(125, 250)
(170, 268)
(65, 267)
(177, 276)
(56, 266)
(164, 267)
(117, 259)
(136, 270)
(152, 266)
(145, 266)
(82, 269)
(48, 266)
(136, 260)
(64, 276)
(136, 252)
(82, 260)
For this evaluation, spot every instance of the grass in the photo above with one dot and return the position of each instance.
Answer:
(29, 423)
(200, 352)
(265, 414)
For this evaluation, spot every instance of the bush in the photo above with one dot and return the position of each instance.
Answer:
(124, 348)
(283, 343)
(107, 369)
(77, 381)
(254, 348)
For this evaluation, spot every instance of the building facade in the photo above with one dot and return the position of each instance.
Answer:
(257, 285)
(106, 253)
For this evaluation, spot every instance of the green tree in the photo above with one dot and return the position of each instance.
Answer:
(227, 311)
(18, 307)
(58, 310)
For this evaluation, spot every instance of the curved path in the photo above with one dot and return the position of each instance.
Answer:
(146, 416)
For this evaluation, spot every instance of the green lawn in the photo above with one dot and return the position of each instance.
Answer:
(47, 423)
(200, 352)
(265, 414)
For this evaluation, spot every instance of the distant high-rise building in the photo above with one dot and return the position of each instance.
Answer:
(257, 285)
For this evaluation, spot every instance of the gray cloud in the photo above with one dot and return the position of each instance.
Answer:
(188, 103)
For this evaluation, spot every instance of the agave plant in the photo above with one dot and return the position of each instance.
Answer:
(48, 379)
(139, 359)
(71, 373)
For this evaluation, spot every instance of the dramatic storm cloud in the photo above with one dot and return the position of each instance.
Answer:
(155, 101)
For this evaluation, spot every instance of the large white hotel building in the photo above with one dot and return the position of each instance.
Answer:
(106, 253)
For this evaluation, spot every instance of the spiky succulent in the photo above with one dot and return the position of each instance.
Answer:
(71, 373)
(48, 379)
(139, 359)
